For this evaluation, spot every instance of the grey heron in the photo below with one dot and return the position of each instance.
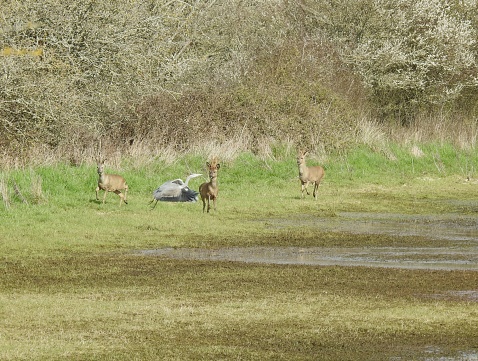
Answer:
(175, 191)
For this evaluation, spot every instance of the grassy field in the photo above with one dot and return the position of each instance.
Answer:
(73, 288)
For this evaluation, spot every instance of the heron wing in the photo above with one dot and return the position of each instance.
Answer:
(175, 191)
(188, 195)
(167, 191)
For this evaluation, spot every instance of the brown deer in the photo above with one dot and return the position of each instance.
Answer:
(209, 190)
(309, 174)
(111, 183)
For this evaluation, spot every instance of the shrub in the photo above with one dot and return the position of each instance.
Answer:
(416, 53)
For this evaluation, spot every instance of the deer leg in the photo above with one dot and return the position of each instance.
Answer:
(104, 197)
(153, 207)
(121, 196)
(97, 190)
(304, 187)
(208, 203)
(125, 193)
(203, 204)
(214, 203)
(316, 189)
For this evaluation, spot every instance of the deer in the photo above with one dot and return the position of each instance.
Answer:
(209, 190)
(309, 174)
(111, 183)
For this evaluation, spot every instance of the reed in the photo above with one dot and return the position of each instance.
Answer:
(4, 192)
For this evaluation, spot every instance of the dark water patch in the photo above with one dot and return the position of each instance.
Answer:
(460, 252)
(389, 257)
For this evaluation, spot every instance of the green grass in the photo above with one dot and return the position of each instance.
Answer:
(71, 287)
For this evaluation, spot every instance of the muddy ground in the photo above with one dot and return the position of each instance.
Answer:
(451, 243)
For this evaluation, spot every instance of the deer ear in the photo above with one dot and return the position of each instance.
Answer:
(218, 166)
(208, 165)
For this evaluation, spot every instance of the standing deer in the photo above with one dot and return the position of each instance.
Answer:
(111, 183)
(308, 174)
(209, 190)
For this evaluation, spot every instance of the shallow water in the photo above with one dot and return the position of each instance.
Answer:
(390, 257)
(460, 254)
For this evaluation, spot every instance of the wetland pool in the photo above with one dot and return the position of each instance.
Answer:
(459, 231)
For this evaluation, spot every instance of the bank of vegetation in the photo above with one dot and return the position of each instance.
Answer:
(149, 76)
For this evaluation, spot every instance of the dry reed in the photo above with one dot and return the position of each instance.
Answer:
(4, 192)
